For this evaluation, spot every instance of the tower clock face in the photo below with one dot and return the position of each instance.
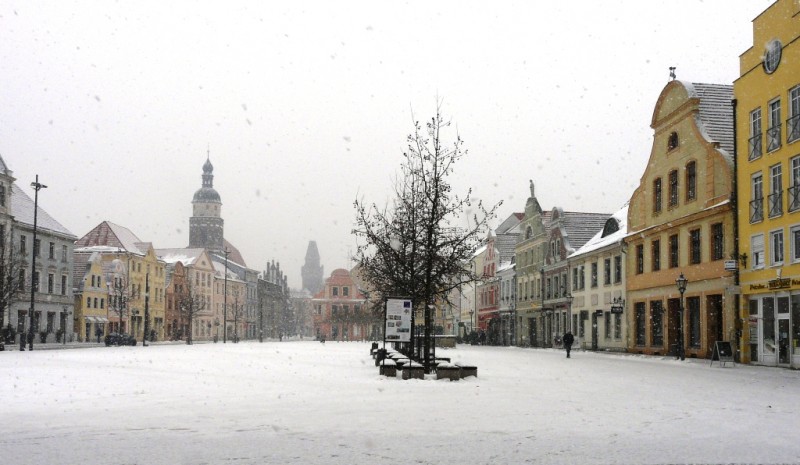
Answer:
(772, 56)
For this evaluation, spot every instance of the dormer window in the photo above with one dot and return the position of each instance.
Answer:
(672, 142)
(610, 227)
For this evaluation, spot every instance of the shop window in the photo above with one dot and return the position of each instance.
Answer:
(657, 326)
(640, 318)
(693, 315)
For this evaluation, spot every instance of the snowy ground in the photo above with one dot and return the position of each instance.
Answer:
(309, 403)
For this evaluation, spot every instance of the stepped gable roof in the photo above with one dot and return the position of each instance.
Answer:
(110, 236)
(598, 241)
(22, 210)
(716, 113)
(582, 226)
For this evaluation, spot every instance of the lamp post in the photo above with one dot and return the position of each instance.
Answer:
(146, 307)
(65, 311)
(225, 300)
(37, 186)
(681, 283)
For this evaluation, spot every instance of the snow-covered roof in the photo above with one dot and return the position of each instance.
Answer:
(716, 113)
(22, 210)
(598, 241)
(112, 235)
(187, 256)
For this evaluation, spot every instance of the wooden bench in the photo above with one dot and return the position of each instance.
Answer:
(388, 368)
(448, 371)
(413, 370)
(468, 370)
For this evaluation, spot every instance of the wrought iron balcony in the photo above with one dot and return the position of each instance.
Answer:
(775, 204)
(793, 128)
(757, 210)
(774, 138)
(756, 147)
(794, 198)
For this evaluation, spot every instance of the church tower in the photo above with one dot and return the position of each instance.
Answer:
(206, 224)
(312, 271)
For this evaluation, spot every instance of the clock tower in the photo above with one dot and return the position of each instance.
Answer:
(206, 223)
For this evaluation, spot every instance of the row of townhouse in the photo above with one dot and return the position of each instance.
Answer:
(109, 280)
(717, 210)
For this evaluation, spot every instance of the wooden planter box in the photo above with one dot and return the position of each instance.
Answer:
(468, 370)
(413, 371)
(447, 371)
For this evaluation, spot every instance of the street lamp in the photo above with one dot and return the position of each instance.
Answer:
(65, 311)
(37, 186)
(681, 283)
(225, 301)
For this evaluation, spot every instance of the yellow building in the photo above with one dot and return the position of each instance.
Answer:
(768, 187)
(91, 298)
(680, 221)
(532, 324)
(134, 279)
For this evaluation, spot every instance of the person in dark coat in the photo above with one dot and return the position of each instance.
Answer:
(568, 339)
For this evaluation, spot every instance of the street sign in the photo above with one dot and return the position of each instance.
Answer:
(398, 320)
(730, 265)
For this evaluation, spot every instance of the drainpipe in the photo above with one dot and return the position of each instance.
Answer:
(737, 322)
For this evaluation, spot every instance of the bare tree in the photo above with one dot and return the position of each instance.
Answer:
(190, 303)
(414, 249)
(121, 292)
(11, 283)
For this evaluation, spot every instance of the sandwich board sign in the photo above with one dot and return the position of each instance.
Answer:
(723, 353)
(398, 320)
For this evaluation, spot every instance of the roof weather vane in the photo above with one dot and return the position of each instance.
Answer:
(671, 73)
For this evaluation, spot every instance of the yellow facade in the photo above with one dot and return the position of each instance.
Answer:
(768, 186)
(530, 252)
(91, 303)
(680, 221)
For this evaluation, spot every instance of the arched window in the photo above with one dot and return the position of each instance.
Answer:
(672, 142)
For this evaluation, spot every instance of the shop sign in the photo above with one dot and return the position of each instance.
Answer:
(779, 283)
(730, 265)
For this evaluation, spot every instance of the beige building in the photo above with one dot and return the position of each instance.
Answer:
(680, 223)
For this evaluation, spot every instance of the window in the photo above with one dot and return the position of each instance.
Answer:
(63, 284)
(594, 274)
(36, 281)
(717, 242)
(23, 245)
(639, 259)
(694, 247)
(21, 283)
(51, 282)
(776, 191)
(673, 251)
(52, 252)
(657, 195)
(575, 279)
(607, 271)
(2, 195)
(757, 251)
(618, 269)
(37, 247)
(655, 248)
(776, 247)
(345, 291)
(794, 243)
(793, 123)
(757, 198)
(617, 326)
(673, 188)
(794, 189)
(656, 323)
(693, 315)
(755, 134)
(774, 130)
(335, 290)
(672, 142)
(640, 319)
(691, 181)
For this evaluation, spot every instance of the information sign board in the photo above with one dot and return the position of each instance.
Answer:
(723, 352)
(398, 320)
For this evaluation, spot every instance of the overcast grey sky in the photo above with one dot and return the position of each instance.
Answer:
(305, 106)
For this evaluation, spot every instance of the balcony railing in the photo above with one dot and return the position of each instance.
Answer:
(756, 146)
(757, 210)
(794, 198)
(775, 204)
(774, 138)
(793, 128)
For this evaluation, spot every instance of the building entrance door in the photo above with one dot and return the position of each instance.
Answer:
(784, 356)
(768, 346)
(594, 330)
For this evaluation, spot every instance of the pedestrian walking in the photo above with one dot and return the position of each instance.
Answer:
(568, 339)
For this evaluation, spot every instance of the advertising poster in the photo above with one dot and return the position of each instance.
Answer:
(398, 320)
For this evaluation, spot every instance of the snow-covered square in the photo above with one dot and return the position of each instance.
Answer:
(306, 402)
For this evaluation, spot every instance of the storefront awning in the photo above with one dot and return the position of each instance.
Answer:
(95, 319)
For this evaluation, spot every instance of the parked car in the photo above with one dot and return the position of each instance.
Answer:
(117, 339)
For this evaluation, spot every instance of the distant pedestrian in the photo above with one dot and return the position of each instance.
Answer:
(568, 339)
